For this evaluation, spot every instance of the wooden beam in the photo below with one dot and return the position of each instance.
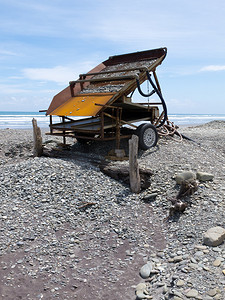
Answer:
(135, 181)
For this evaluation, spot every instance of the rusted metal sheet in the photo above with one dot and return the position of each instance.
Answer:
(98, 79)
(83, 105)
(65, 94)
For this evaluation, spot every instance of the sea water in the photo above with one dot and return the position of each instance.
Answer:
(23, 120)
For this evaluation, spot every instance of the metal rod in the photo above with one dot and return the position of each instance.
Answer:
(118, 117)
(150, 103)
(110, 72)
(156, 81)
(118, 78)
(50, 117)
(102, 125)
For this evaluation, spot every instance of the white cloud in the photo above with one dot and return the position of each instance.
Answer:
(9, 89)
(58, 74)
(15, 89)
(8, 53)
(213, 68)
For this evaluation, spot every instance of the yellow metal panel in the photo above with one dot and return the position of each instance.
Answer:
(83, 105)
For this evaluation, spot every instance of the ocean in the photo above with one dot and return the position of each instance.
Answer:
(23, 120)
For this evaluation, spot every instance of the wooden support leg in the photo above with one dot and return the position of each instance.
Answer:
(38, 148)
(64, 138)
(135, 181)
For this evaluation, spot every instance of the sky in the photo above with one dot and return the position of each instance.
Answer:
(45, 44)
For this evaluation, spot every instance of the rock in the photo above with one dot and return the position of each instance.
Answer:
(146, 270)
(141, 286)
(150, 197)
(214, 236)
(188, 176)
(180, 282)
(204, 176)
(176, 293)
(217, 262)
(177, 258)
(165, 289)
(192, 293)
(142, 295)
(201, 247)
(20, 244)
(141, 291)
(212, 292)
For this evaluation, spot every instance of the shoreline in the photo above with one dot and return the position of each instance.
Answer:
(179, 125)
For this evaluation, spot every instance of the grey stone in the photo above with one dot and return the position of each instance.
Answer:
(177, 258)
(192, 293)
(188, 176)
(212, 292)
(142, 295)
(214, 236)
(141, 286)
(141, 291)
(217, 262)
(150, 197)
(180, 282)
(146, 270)
(204, 176)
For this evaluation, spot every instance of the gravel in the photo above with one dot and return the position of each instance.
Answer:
(70, 232)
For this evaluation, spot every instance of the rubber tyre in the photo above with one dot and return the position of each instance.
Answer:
(148, 136)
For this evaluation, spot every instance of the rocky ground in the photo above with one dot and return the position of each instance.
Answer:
(70, 232)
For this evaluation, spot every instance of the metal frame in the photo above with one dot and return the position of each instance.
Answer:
(117, 112)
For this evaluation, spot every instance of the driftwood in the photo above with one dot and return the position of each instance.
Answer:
(186, 189)
(135, 180)
(86, 205)
(38, 148)
(121, 173)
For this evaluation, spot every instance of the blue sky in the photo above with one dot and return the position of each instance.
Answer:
(44, 44)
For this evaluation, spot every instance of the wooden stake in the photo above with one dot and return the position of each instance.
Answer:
(135, 182)
(38, 148)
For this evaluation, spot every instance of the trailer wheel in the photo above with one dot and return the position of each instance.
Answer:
(148, 136)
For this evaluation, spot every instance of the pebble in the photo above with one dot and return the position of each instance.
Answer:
(202, 176)
(212, 292)
(192, 293)
(214, 236)
(40, 208)
(145, 270)
(180, 282)
(217, 262)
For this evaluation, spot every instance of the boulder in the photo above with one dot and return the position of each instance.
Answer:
(201, 176)
(214, 236)
(185, 176)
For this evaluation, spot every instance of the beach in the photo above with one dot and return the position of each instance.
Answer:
(68, 231)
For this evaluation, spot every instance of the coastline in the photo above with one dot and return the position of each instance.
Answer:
(96, 252)
(19, 120)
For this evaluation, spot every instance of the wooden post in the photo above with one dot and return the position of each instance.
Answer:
(38, 148)
(135, 182)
